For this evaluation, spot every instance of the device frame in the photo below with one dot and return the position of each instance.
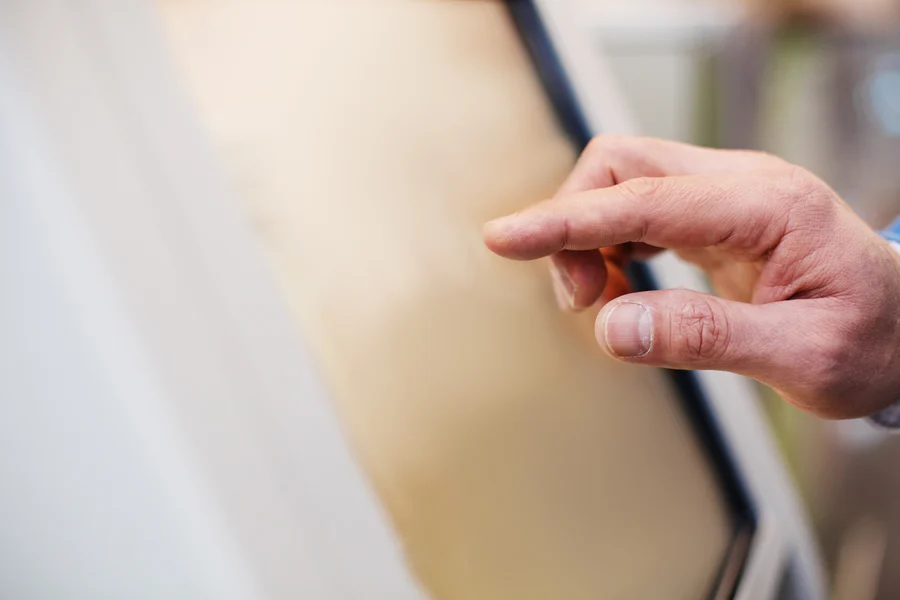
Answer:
(541, 49)
(723, 405)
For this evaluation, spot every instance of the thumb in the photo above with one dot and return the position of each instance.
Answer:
(683, 329)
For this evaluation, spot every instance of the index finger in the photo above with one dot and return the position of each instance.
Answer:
(609, 160)
(670, 212)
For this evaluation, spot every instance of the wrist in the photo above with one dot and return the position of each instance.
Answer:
(889, 417)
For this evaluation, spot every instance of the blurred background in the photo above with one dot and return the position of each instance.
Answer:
(818, 83)
(814, 81)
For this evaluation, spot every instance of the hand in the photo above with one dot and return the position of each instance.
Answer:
(809, 295)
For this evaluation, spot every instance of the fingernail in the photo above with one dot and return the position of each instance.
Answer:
(563, 288)
(629, 330)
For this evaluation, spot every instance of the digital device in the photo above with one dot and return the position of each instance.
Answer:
(255, 349)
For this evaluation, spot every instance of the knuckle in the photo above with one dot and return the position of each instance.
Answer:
(639, 193)
(600, 144)
(797, 179)
(641, 189)
(606, 145)
(765, 159)
(700, 331)
(802, 189)
(808, 204)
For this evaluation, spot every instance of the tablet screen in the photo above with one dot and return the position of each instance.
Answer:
(369, 141)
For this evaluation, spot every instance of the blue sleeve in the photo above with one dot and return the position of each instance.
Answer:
(892, 233)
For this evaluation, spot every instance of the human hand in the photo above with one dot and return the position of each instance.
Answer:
(809, 295)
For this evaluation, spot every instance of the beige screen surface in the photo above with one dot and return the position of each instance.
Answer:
(370, 139)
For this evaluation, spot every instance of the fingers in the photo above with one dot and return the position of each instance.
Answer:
(733, 211)
(675, 328)
(607, 161)
(612, 159)
(578, 278)
(783, 344)
(683, 329)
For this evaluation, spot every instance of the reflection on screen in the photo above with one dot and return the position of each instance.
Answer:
(370, 141)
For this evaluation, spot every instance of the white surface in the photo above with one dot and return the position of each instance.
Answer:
(90, 505)
(441, 354)
(661, 88)
(655, 24)
(116, 480)
(656, 49)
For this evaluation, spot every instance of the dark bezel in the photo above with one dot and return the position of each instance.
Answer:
(530, 26)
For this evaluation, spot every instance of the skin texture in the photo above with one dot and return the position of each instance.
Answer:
(808, 296)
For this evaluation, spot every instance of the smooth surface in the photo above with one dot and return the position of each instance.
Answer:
(370, 141)
(163, 433)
